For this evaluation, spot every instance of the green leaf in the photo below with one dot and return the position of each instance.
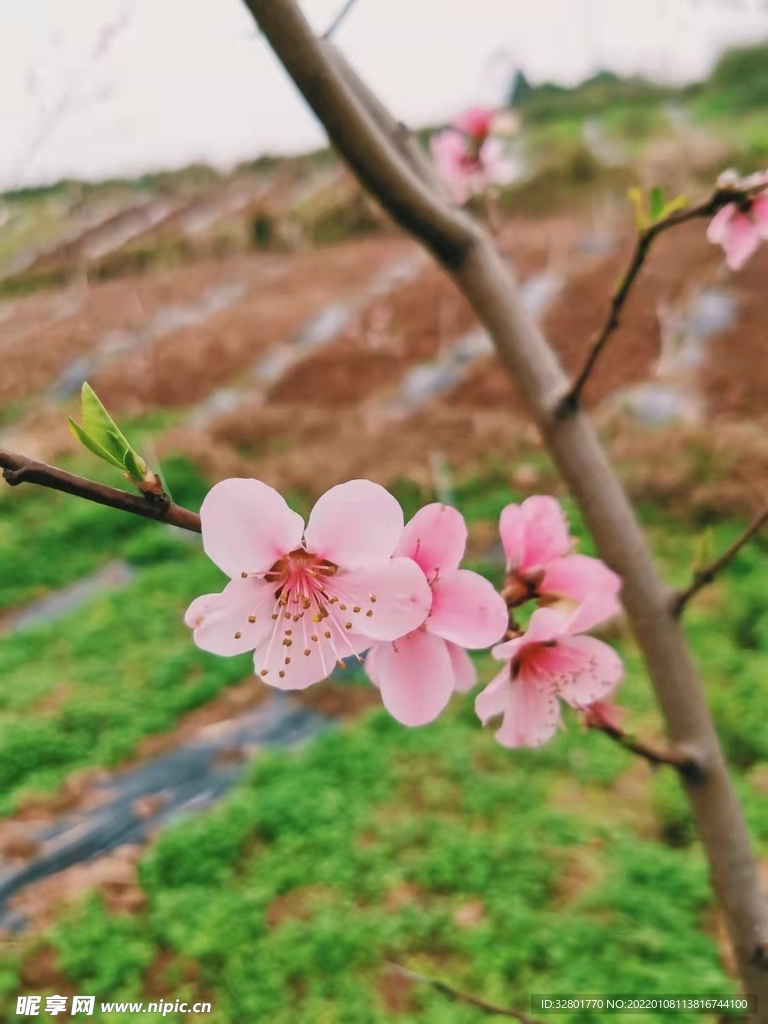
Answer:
(656, 203)
(102, 436)
(99, 424)
(678, 203)
(641, 214)
(92, 445)
(135, 466)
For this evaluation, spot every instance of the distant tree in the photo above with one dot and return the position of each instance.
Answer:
(520, 88)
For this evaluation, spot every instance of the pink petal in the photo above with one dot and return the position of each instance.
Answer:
(247, 526)
(414, 675)
(217, 619)
(291, 668)
(531, 712)
(475, 121)
(497, 168)
(583, 670)
(534, 533)
(467, 610)
(396, 593)
(760, 216)
(742, 240)
(576, 576)
(464, 672)
(354, 524)
(719, 227)
(596, 608)
(547, 535)
(512, 528)
(449, 153)
(435, 539)
(546, 626)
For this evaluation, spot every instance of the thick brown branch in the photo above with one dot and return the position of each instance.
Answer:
(18, 469)
(461, 997)
(703, 577)
(720, 198)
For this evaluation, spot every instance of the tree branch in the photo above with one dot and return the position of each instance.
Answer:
(483, 277)
(720, 198)
(18, 469)
(703, 577)
(684, 762)
(340, 17)
(461, 997)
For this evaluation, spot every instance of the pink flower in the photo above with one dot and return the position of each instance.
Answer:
(467, 158)
(550, 661)
(475, 121)
(740, 226)
(538, 547)
(419, 671)
(304, 599)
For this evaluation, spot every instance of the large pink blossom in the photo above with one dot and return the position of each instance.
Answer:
(304, 599)
(549, 663)
(741, 226)
(468, 158)
(538, 547)
(419, 671)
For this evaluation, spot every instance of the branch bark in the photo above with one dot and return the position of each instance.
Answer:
(703, 577)
(721, 197)
(467, 252)
(18, 469)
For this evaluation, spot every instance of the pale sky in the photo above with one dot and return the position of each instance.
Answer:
(92, 88)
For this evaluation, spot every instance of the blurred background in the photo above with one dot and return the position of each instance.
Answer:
(174, 230)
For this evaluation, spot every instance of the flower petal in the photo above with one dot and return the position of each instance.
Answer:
(596, 608)
(467, 610)
(392, 598)
(220, 621)
(719, 226)
(760, 215)
(247, 526)
(577, 576)
(283, 661)
(464, 672)
(546, 625)
(534, 533)
(742, 240)
(531, 713)
(435, 539)
(414, 675)
(354, 524)
(583, 669)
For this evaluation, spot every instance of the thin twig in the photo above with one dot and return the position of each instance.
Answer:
(703, 577)
(336, 23)
(720, 198)
(683, 762)
(462, 997)
(18, 469)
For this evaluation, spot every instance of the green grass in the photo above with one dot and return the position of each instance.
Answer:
(285, 902)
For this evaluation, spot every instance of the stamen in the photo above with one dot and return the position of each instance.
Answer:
(307, 653)
(263, 671)
(281, 674)
(373, 598)
(356, 608)
(369, 613)
(238, 636)
(287, 643)
(287, 661)
(251, 619)
(347, 625)
(243, 575)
